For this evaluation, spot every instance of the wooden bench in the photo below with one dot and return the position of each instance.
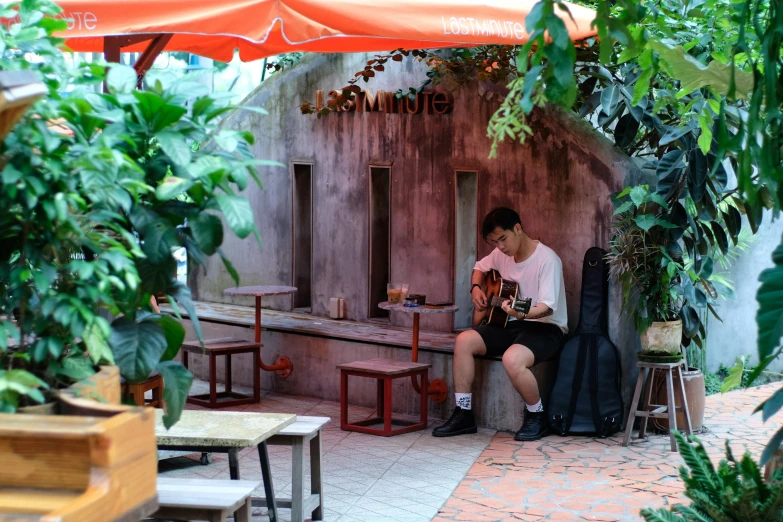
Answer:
(201, 499)
(296, 435)
(224, 347)
(384, 371)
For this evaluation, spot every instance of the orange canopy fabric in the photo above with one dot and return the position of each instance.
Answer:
(261, 28)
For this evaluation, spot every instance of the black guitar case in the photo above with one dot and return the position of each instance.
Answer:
(586, 397)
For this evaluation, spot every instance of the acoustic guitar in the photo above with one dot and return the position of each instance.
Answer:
(497, 291)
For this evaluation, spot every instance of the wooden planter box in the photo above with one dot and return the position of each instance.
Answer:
(101, 465)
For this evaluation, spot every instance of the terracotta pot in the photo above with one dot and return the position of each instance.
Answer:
(664, 337)
(694, 390)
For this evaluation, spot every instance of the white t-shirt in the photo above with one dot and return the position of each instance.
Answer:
(540, 277)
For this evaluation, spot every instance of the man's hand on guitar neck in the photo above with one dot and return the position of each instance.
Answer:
(536, 312)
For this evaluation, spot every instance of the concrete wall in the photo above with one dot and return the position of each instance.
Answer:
(737, 334)
(559, 181)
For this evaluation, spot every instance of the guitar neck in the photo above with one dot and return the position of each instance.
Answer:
(520, 305)
(496, 301)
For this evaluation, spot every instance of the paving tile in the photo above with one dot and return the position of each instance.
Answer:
(488, 476)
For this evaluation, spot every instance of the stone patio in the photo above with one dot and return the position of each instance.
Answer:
(489, 477)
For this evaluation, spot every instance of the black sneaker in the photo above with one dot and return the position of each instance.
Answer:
(460, 423)
(533, 428)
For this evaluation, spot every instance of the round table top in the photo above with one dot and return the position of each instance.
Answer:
(399, 307)
(260, 290)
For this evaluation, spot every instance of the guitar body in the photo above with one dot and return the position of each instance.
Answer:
(498, 290)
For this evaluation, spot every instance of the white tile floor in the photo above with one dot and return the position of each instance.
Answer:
(406, 478)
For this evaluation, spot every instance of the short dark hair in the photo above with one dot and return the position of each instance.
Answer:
(502, 217)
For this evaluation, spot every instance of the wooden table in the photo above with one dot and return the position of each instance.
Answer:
(437, 388)
(226, 432)
(282, 364)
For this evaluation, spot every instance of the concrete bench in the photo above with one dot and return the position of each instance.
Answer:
(296, 435)
(199, 499)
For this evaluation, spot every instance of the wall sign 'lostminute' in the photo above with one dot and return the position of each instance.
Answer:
(426, 102)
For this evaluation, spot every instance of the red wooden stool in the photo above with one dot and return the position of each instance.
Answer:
(226, 347)
(136, 391)
(384, 371)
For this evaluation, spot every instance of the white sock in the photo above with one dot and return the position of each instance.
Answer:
(463, 400)
(535, 408)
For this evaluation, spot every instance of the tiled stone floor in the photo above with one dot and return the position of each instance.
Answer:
(579, 478)
(416, 477)
(406, 478)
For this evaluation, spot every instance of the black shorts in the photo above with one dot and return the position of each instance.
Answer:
(543, 339)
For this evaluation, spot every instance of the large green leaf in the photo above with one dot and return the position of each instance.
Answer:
(705, 271)
(670, 161)
(176, 385)
(175, 334)
(172, 187)
(121, 78)
(697, 174)
(771, 406)
(769, 317)
(95, 339)
(207, 232)
(175, 146)
(610, 98)
(156, 111)
(693, 74)
(772, 446)
(181, 293)
(638, 194)
(137, 347)
(238, 214)
(734, 378)
(229, 267)
(733, 221)
(156, 277)
(626, 130)
(160, 238)
(690, 321)
(76, 367)
(645, 221)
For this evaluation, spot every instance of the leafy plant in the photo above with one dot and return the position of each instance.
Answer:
(646, 256)
(735, 491)
(91, 213)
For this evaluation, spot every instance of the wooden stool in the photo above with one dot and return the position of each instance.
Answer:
(296, 435)
(136, 391)
(384, 370)
(657, 411)
(226, 347)
(204, 499)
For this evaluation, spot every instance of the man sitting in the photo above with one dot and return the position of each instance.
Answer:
(527, 339)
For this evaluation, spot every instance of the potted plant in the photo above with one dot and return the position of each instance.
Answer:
(663, 286)
(649, 266)
(97, 192)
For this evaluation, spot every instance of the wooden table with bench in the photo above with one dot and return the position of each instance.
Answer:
(227, 347)
(386, 370)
